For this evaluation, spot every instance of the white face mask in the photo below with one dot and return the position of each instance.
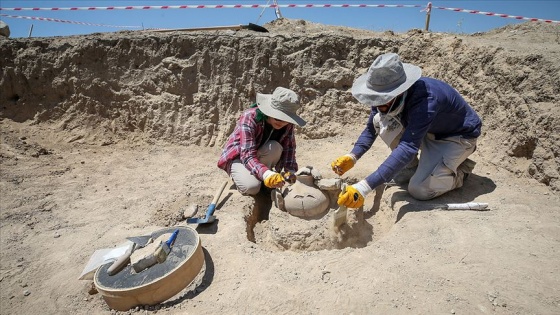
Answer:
(398, 109)
(388, 125)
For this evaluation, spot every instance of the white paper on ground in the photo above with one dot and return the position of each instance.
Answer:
(101, 257)
(467, 206)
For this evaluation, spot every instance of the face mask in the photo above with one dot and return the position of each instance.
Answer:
(398, 109)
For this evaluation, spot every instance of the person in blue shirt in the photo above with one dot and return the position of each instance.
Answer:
(411, 114)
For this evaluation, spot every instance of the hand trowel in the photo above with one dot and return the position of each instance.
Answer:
(340, 213)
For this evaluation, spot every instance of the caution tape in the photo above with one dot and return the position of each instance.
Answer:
(498, 15)
(221, 6)
(253, 6)
(63, 21)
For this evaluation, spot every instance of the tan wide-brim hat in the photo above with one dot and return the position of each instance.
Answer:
(282, 104)
(386, 78)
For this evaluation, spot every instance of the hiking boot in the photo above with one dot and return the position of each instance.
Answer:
(466, 167)
(402, 177)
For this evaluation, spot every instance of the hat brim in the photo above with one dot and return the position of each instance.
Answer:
(370, 97)
(263, 102)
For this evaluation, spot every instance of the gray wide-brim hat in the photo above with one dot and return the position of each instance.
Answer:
(282, 104)
(386, 78)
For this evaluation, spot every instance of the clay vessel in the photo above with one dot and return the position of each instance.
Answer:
(303, 198)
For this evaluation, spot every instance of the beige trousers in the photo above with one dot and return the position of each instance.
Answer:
(247, 184)
(438, 168)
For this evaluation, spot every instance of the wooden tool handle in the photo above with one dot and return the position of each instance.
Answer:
(219, 192)
(120, 262)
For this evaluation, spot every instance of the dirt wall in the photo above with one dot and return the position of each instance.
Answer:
(189, 87)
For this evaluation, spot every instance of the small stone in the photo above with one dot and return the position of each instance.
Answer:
(56, 234)
(329, 183)
(190, 211)
(26, 293)
(90, 288)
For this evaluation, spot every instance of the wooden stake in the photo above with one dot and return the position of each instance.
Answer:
(428, 11)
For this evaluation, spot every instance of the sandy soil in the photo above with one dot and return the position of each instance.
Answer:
(68, 189)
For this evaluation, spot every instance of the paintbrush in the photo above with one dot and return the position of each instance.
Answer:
(158, 256)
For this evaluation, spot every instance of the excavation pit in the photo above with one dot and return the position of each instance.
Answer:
(300, 217)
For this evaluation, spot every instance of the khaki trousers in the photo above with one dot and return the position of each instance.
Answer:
(438, 168)
(247, 184)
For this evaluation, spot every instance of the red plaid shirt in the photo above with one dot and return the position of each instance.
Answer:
(244, 141)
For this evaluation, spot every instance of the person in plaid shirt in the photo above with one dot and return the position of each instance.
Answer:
(263, 144)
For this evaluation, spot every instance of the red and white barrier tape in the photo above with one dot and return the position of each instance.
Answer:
(498, 14)
(252, 6)
(62, 21)
(222, 6)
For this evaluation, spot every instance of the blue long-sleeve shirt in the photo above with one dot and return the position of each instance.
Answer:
(431, 106)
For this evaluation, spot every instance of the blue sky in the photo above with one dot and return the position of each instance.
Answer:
(377, 19)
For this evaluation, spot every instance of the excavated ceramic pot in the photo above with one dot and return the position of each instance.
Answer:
(303, 198)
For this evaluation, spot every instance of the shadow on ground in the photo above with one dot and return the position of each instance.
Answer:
(472, 190)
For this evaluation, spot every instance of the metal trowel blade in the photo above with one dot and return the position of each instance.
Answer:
(141, 241)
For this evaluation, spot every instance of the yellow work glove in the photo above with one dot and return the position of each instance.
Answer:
(343, 164)
(273, 179)
(351, 198)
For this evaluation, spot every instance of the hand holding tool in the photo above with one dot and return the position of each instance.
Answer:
(274, 180)
(289, 177)
(350, 198)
